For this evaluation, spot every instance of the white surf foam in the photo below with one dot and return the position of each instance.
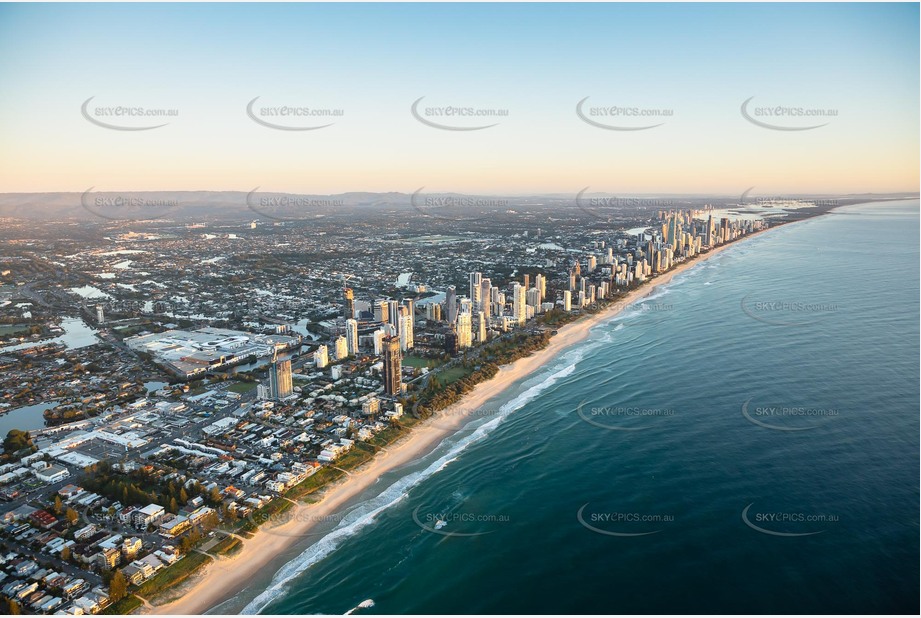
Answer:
(364, 514)
(362, 605)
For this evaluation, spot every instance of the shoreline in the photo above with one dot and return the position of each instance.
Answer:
(222, 579)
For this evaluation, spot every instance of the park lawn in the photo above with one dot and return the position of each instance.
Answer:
(419, 362)
(242, 387)
(449, 376)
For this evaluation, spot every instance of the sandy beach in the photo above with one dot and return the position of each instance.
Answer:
(223, 579)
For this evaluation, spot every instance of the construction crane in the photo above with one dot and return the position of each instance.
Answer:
(348, 295)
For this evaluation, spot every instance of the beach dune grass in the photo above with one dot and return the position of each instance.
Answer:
(361, 454)
(389, 435)
(173, 575)
(123, 607)
(227, 547)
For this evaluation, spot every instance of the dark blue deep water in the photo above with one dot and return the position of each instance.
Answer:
(745, 440)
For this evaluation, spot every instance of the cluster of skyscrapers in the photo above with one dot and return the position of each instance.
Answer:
(488, 307)
(388, 325)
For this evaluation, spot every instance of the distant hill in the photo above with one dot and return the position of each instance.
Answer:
(118, 205)
(236, 205)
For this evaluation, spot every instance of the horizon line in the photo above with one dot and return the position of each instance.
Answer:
(908, 193)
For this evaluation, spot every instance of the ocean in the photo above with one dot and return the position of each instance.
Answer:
(743, 440)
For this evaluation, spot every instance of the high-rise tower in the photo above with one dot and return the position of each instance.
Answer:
(280, 383)
(475, 292)
(393, 359)
(348, 303)
(351, 336)
(451, 304)
(518, 303)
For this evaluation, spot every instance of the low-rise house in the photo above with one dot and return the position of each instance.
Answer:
(75, 588)
(11, 588)
(276, 486)
(142, 569)
(33, 598)
(174, 526)
(148, 515)
(19, 513)
(85, 532)
(26, 590)
(170, 551)
(55, 545)
(39, 575)
(69, 491)
(52, 474)
(83, 554)
(166, 558)
(370, 406)
(126, 515)
(108, 558)
(131, 548)
(111, 542)
(254, 502)
(43, 518)
(200, 514)
(152, 561)
(137, 572)
(37, 605)
(87, 605)
(24, 568)
(87, 499)
(71, 610)
(233, 492)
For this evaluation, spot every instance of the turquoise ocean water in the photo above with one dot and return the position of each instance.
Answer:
(744, 440)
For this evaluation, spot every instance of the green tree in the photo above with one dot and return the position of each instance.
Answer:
(118, 587)
(16, 441)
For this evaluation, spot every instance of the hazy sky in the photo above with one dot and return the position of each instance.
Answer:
(701, 62)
